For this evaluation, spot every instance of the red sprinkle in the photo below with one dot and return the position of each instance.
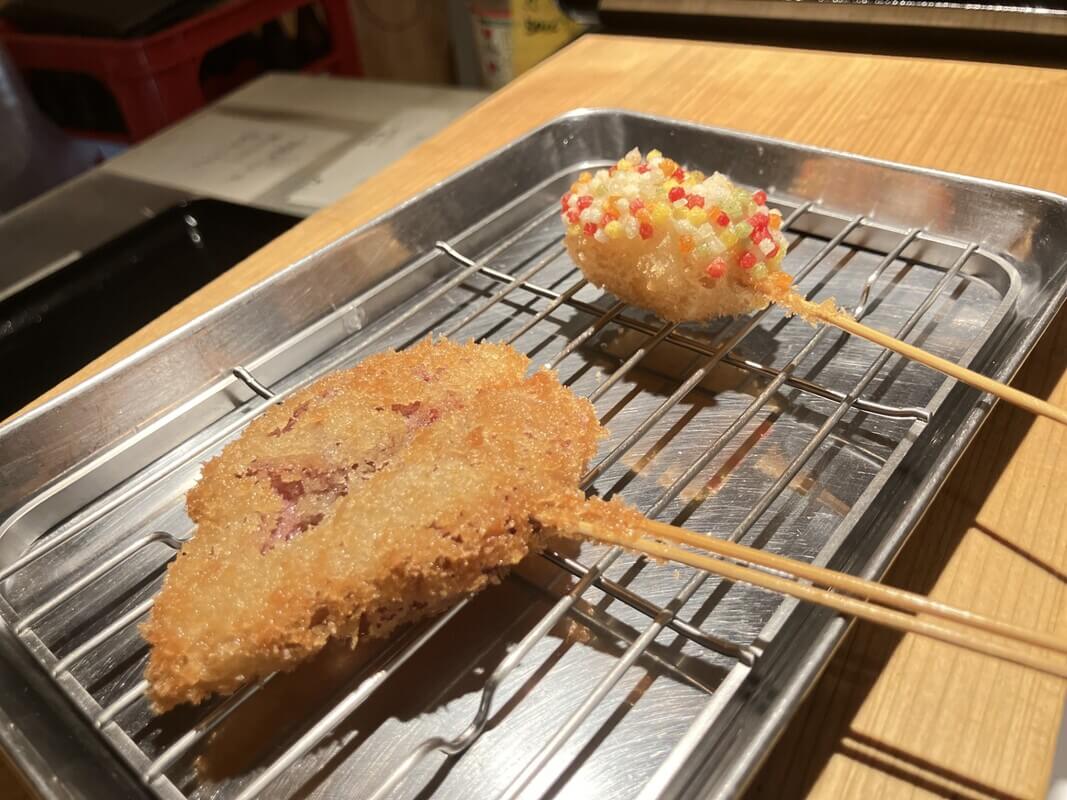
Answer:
(723, 219)
(584, 202)
(572, 216)
(758, 235)
(695, 201)
(611, 170)
(643, 168)
(760, 220)
(774, 252)
(759, 197)
(565, 200)
(747, 261)
(717, 268)
(678, 174)
(636, 205)
(645, 230)
(675, 194)
(590, 228)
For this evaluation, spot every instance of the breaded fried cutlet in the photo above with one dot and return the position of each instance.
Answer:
(370, 499)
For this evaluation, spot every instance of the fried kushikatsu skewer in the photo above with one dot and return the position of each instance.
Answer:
(372, 498)
(385, 494)
(691, 247)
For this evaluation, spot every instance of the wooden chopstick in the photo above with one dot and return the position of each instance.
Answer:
(954, 633)
(834, 316)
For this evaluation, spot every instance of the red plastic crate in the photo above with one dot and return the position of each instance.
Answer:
(155, 81)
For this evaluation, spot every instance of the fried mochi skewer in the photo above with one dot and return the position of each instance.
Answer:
(687, 246)
(691, 247)
(372, 498)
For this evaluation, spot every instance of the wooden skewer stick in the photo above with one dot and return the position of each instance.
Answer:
(834, 316)
(870, 590)
(887, 617)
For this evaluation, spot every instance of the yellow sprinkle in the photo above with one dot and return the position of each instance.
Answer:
(654, 154)
(613, 230)
(680, 212)
(624, 165)
(697, 176)
(584, 177)
(728, 237)
(660, 214)
(697, 217)
(574, 230)
(600, 190)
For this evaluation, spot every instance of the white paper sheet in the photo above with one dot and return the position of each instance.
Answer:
(228, 156)
(386, 143)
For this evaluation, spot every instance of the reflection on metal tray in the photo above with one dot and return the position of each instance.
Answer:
(588, 673)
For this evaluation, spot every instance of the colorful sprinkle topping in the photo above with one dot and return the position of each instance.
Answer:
(719, 227)
(717, 268)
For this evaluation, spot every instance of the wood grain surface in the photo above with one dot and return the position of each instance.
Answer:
(892, 716)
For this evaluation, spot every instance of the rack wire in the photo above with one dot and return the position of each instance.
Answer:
(514, 303)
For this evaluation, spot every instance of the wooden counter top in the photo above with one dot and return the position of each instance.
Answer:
(892, 716)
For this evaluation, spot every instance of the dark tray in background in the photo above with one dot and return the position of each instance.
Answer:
(59, 324)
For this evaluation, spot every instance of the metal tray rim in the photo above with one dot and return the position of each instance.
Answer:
(972, 420)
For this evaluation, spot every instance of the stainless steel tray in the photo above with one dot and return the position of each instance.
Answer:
(587, 673)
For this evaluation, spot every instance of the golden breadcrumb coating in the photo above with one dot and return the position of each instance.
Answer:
(652, 277)
(372, 498)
